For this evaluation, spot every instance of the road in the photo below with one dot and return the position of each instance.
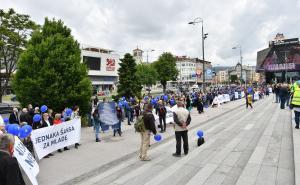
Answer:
(243, 146)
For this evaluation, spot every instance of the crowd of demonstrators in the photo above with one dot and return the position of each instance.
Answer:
(38, 118)
(283, 93)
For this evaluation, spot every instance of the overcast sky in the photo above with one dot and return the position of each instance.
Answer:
(161, 25)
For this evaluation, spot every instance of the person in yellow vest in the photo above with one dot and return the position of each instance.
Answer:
(295, 103)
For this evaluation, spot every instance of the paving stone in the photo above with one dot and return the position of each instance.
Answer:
(267, 175)
(285, 177)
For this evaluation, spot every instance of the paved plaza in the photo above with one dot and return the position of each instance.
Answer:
(243, 146)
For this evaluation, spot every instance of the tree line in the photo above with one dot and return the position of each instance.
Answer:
(43, 65)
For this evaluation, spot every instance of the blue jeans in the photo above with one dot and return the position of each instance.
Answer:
(97, 130)
(118, 128)
(297, 117)
(129, 117)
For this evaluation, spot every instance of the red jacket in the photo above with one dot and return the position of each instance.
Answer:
(57, 122)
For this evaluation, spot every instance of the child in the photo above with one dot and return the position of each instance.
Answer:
(249, 101)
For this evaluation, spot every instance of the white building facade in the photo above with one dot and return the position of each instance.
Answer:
(186, 68)
(103, 67)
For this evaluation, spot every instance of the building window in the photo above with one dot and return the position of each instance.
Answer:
(93, 63)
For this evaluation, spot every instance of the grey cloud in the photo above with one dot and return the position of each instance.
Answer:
(162, 24)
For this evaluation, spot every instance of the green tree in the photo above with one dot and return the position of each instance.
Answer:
(233, 78)
(14, 32)
(129, 84)
(50, 71)
(166, 69)
(147, 74)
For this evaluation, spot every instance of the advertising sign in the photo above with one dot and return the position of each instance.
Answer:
(110, 64)
(282, 56)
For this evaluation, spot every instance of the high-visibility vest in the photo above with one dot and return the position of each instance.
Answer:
(293, 87)
(296, 96)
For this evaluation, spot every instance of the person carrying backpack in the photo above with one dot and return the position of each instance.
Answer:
(145, 125)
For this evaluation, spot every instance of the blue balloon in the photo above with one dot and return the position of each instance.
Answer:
(6, 120)
(200, 133)
(44, 108)
(37, 118)
(123, 98)
(14, 129)
(25, 131)
(69, 112)
(157, 137)
(6, 127)
(166, 97)
(172, 102)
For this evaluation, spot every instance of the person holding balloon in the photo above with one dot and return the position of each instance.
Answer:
(182, 119)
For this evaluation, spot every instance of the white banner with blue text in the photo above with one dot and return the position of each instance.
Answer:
(49, 139)
(26, 161)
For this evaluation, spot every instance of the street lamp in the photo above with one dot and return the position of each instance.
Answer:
(204, 36)
(241, 58)
(147, 51)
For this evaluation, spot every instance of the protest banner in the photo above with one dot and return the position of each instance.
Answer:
(169, 116)
(221, 99)
(108, 114)
(49, 139)
(26, 161)
(236, 95)
(226, 98)
(256, 96)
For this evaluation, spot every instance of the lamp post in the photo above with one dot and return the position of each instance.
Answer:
(241, 58)
(204, 36)
(147, 51)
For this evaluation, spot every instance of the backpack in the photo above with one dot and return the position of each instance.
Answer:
(139, 125)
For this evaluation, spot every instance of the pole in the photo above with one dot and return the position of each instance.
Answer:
(203, 58)
(241, 63)
(147, 56)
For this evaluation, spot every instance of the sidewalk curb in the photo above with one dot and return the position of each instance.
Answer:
(111, 164)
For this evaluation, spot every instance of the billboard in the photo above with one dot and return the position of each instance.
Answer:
(281, 56)
(110, 64)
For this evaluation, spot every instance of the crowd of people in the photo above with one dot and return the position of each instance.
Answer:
(38, 118)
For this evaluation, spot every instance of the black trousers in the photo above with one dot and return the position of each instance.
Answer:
(162, 119)
(184, 136)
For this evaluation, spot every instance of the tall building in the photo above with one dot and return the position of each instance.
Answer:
(138, 55)
(103, 67)
(191, 70)
(280, 62)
